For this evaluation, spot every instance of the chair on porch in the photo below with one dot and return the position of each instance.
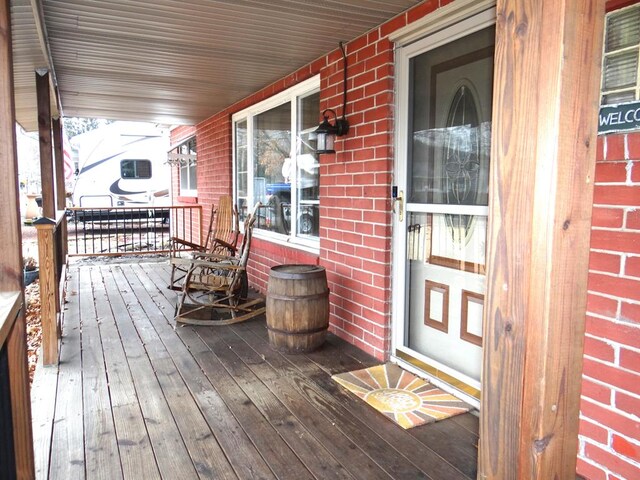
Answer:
(215, 288)
(221, 240)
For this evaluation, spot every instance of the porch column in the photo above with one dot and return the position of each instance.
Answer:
(12, 321)
(46, 151)
(545, 109)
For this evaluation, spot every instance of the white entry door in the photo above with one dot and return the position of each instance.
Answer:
(440, 228)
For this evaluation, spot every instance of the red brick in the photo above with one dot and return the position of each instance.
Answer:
(616, 195)
(626, 448)
(630, 312)
(393, 25)
(596, 391)
(635, 172)
(632, 267)
(600, 149)
(608, 217)
(633, 219)
(612, 375)
(616, 332)
(615, 241)
(614, 147)
(633, 145)
(610, 418)
(594, 432)
(630, 360)
(611, 172)
(421, 10)
(614, 286)
(600, 305)
(613, 462)
(605, 262)
(599, 349)
(589, 471)
(627, 403)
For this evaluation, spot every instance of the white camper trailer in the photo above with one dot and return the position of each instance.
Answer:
(123, 164)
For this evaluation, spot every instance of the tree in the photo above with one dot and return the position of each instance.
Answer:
(75, 126)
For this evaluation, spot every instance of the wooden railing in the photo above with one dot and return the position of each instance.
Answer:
(52, 254)
(131, 230)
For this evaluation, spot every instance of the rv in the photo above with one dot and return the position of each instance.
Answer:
(122, 164)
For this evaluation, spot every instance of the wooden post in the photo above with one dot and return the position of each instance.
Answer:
(545, 110)
(46, 152)
(48, 289)
(11, 279)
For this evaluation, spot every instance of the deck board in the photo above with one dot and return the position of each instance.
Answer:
(136, 396)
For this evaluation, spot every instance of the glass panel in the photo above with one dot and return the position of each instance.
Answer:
(193, 183)
(623, 29)
(135, 169)
(619, 97)
(242, 192)
(272, 146)
(451, 99)
(308, 173)
(620, 70)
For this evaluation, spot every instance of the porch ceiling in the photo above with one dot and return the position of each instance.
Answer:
(174, 61)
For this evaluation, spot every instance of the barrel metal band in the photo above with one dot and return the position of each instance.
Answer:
(289, 298)
(299, 332)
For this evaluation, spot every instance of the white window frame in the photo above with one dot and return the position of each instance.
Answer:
(186, 166)
(291, 95)
(605, 55)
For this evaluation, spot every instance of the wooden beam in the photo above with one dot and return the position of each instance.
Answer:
(11, 279)
(46, 152)
(545, 110)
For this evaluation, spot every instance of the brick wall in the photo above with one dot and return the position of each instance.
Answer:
(610, 409)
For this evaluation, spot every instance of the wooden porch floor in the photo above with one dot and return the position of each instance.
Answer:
(134, 397)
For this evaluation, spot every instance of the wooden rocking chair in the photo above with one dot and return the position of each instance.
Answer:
(215, 290)
(220, 241)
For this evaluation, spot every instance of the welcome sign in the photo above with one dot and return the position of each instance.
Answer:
(617, 118)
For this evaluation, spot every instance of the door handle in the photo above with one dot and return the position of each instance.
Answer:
(399, 200)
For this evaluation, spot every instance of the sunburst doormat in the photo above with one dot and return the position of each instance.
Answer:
(404, 398)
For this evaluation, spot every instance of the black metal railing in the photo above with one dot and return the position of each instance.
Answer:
(131, 230)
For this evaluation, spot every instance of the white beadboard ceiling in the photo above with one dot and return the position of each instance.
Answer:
(171, 61)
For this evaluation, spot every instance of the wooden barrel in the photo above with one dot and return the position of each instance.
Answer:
(297, 307)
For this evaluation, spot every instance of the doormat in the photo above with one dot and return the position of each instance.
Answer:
(406, 399)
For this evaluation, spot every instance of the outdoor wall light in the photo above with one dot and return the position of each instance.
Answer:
(326, 133)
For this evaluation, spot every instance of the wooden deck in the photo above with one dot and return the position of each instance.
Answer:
(134, 397)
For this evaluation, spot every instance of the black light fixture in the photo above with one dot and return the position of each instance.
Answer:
(326, 133)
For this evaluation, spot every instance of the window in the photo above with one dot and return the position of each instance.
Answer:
(184, 155)
(620, 60)
(135, 168)
(275, 163)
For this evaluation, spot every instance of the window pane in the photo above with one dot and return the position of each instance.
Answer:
(619, 97)
(135, 169)
(451, 95)
(272, 145)
(309, 111)
(184, 178)
(308, 174)
(623, 29)
(193, 183)
(620, 70)
(242, 171)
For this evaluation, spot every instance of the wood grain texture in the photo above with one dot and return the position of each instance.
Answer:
(48, 289)
(11, 260)
(543, 152)
(47, 175)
